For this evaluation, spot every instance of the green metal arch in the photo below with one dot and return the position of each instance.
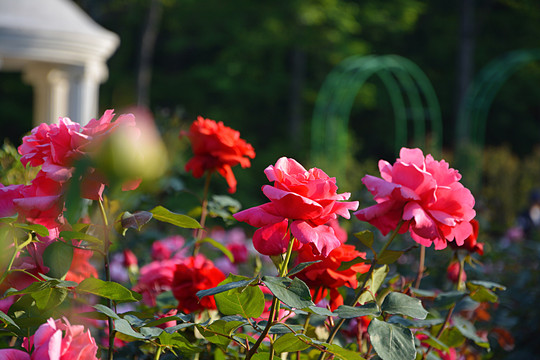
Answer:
(472, 119)
(411, 96)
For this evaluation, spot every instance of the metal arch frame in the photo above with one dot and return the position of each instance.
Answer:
(400, 76)
(472, 119)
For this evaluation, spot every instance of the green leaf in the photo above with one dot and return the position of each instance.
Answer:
(391, 341)
(49, 298)
(468, 330)
(289, 343)
(74, 235)
(7, 320)
(177, 341)
(183, 221)
(225, 287)
(245, 301)
(263, 355)
(373, 284)
(37, 228)
(107, 311)
(451, 337)
(398, 303)
(319, 311)
(107, 289)
(295, 270)
(219, 332)
(342, 353)
(349, 312)
(58, 257)
(389, 257)
(487, 284)
(447, 299)
(295, 293)
(136, 220)
(122, 326)
(218, 245)
(366, 238)
(9, 219)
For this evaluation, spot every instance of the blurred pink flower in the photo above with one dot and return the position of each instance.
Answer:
(14, 354)
(168, 247)
(155, 278)
(308, 198)
(425, 194)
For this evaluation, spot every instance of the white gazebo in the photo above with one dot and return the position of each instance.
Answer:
(60, 51)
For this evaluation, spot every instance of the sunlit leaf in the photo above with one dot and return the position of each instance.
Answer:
(107, 289)
(245, 301)
(398, 303)
(295, 293)
(183, 221)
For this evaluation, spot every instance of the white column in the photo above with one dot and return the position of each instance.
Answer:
(84, 91)
(51, 88)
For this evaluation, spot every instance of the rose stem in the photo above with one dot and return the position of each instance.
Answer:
(420, 266)
(204, 213)
(107, 245)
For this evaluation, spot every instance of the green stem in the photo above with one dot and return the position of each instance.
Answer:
(158, 353)
(420, 267)
(106, 246)
(336, 327)
(204, 213)
(274, 309)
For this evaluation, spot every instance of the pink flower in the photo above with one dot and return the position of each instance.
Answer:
(155, 278)
(169, 247)
(308, 198)
(59, 340)
(425, 194)
(217, 147)
(452, 273)
(7, 195)
(13, 354)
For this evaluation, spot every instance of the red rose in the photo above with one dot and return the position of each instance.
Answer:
(452, 273)
(217, 147)
(471, 244)
(307, 197)
(425, 194)
(325, 274)
(192, 275)
(80, 266)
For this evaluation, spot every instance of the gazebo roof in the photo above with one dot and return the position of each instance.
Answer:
(53, 31)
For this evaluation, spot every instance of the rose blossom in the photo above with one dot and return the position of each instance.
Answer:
(155, 278)
(14, 354)
(325, 275)
(423, 193)
(217, 147)
(81, 268)
(471, 244)
(59, 340)
(192, 275)
(307, 198)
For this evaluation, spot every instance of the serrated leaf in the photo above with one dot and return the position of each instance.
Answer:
(366, 238)
(225, 287)
(349, 312)
(106, 311)
(289, 343)
(468, 330)
(398, 303)
(183, 221)
(74, 235)
(447, 299)
(58, 257)
(37, 228)
(7, 320)
(122, 326)
(107, 289)
(245, 301)
(295, 270)
(373, 284)
(391, 341)
(389, 257)
(219, 246)
(136, 220)
(294, 293)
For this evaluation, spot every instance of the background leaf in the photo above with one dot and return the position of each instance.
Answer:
(391, 341)
(107, 289)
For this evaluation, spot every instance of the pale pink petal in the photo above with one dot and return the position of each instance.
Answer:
(385, 169)
(384, 216)
(258, 216)
(461, 232)
(413, 156)
(291, 205)
(423, 224)
(13, 354)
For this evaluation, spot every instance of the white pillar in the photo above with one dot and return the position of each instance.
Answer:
(84, 91)
(51, 88)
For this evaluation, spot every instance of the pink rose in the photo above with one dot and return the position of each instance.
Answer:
(308, 198)
(7, 195)
(169, 247)
(425, 194)
(155, 278)
(13, 354)
(59, 340)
